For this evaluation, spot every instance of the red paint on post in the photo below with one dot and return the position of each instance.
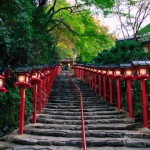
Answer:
(118, 93)
(34, 101)
(144, 103)
(99, 86)
(95, 75)
(40, 97)
(110, 91)
(129, 97)
(104, 86)
(22, 107)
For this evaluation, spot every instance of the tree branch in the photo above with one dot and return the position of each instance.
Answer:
(67, 26)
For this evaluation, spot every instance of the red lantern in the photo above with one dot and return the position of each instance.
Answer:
(4, 73)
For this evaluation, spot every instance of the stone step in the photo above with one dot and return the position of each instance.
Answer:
(87, 127)
(64, 113)
(118, 133)
(98, 107)
(138, 143)
(91, 142)
(54, 133)
(70, 103)
(57, 126)
(27, 139)
(89, 133)
(88, 108)
(41, 119)
(8, 146)
(61, 98)
(106, 116)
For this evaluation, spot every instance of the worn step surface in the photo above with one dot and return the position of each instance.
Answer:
(59, 125)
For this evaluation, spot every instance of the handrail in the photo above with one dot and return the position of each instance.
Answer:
(78, 93)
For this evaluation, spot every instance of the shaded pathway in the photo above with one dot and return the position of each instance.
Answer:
(59, 126)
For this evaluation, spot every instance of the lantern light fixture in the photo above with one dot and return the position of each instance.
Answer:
(110, 72)
(117, 72)
(4, 74)
(103, 71)
(2, 84)
(142, 68)
(23, 76)
(128, 70)
(142, 71)
(99, 70)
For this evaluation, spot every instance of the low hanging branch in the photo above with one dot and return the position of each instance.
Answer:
(57, 23)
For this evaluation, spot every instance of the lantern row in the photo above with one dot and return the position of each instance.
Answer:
(95, 77)
(39, 77)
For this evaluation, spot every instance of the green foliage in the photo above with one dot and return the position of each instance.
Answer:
(145, 31)
(123, 52)
(15, 31)
(78, 30)
(101, 4)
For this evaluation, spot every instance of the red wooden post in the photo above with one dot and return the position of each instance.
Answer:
(95, 75)
(93, 81)
(110, 91)
(118, 93)
(83, 72)
(43, 93)
(22, 106)
(40, 96)
(77, 73)
(92, 86)
(104, 87)
(144, 103)
(47, 87)
(90, 80)
(34, 101)
(99, 85)
(74, 68)
(129, 97)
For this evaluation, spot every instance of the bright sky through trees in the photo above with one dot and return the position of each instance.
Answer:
(112, 22)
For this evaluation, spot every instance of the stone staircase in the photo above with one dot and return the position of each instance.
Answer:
(59, 125)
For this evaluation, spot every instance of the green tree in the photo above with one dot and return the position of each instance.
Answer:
(15, 31)
(124, 51)
(145, 32)
(76, 29)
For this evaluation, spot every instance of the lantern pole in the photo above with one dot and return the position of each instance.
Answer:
(110, 90)
(118, 93)
(129, 94)
(104, 86)
(95, 79)
(144, 103)
(142, 72)
(22, 106)
(99, 85)
(34, 101)
(40, 96)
